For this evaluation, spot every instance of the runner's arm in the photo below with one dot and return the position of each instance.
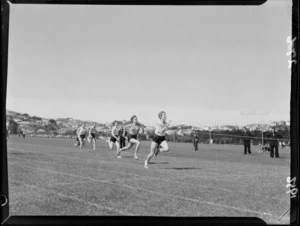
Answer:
(165, 128)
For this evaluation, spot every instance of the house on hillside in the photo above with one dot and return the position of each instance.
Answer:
(17, 120)
(45, 121)
(39, 122)
(281, 123)
(205, 128)
(63, 130)
(170, 132)
(149, 129)
(229, 128)
(180, 132)
(24, 123)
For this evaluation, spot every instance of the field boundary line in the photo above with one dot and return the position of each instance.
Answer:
(77, 199)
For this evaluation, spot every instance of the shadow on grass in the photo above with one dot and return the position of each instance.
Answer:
(127, 157)
(159, 163)
(183, 168)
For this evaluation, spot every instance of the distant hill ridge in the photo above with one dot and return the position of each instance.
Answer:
(33, 124)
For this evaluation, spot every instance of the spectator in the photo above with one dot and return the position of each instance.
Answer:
(274, 143)
(195, 142)
(247, 141)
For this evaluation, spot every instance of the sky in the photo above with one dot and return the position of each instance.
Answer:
(203, 65)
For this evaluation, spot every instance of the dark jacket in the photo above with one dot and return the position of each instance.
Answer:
(196, 139)
(273, 138)
(248, 136)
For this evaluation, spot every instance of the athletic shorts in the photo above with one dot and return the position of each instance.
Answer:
(81, 136)
(132, 136)
(158, 139)
(113, 139)
(93, 136)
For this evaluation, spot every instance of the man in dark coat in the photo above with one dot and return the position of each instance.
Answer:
(195, 142)
(247, 141)
(274, 143)
(122, 135)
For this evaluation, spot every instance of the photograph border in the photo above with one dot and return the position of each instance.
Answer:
(137, 220)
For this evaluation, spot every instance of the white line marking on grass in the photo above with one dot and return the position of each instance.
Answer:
(241, 175)
(150, 178)
(185, 177)
(230, 164)
(62, 155)
(78, 199)
(224, 189)
(162, 194)
(81, 177)
(118, 172)
(79, 158)
(192, 200)
(75, 157)
(211, 178)
(102, 181)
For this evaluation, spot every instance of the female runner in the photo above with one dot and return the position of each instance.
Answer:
(80, 135)
(134, 128)
(159, 143)
(114, 139)
(92, 135)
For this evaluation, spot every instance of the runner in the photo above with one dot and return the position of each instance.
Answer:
(92, 135)
(159, 143)
(134, 128)
(80, 136)
(114, 136)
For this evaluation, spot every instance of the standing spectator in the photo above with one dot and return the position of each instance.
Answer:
(274, 143)
(195, 142)
(20, 132)
(122, 135)
(247, 141)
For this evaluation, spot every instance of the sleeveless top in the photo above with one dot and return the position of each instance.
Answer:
(159, 126)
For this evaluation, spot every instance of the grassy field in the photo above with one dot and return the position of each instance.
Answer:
(52, 177)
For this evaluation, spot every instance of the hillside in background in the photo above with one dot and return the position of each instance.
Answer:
(66, 127)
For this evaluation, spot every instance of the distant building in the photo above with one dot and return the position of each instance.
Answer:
(24, 123)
